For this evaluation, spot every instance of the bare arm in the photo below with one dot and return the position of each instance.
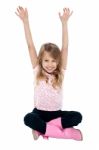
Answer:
(64, 52)
(23, 15)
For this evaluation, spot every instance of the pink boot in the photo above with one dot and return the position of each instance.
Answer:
(54, 131)
(72, 133)
(68, 133)
(56, 122)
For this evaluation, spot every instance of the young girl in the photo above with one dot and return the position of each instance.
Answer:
(47, 117)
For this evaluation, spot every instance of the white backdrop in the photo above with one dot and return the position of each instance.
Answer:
(81, 82)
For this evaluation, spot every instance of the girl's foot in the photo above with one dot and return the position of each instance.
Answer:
(35, 134)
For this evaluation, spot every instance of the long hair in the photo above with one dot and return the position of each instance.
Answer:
(55, 53)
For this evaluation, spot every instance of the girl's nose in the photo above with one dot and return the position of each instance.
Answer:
(50, 64)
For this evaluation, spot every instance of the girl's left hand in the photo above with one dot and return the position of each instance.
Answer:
(65, 16)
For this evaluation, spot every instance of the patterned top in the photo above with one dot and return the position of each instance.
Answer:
(46, 97)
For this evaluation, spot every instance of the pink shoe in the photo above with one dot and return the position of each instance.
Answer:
(54, 122)
(72, 133)
(54, 131)
(68, 133)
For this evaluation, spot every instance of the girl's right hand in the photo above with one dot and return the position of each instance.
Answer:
(66, 15)
(22, 13)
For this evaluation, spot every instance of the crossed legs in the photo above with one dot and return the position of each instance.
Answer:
(61, 127)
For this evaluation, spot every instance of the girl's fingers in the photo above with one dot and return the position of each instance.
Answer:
(21, 8)
(65, 9)
(59, 15)
(16, 13)
(66, 14)
(18, 10)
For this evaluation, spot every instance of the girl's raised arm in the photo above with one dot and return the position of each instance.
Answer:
(23, 15)
(64, 52)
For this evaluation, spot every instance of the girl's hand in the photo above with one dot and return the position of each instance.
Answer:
(65, 16)
(22, 13)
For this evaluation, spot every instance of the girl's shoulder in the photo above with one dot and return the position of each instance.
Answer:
(35, 69)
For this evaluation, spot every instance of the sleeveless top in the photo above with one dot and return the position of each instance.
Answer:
(46, 97)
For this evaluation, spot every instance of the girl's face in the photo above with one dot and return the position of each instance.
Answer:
(49, 63)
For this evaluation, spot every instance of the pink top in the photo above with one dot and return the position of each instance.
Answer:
(45, 96)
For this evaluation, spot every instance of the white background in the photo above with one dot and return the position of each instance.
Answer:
(81, 82)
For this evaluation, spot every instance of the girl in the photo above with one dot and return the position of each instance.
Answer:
(47, 117)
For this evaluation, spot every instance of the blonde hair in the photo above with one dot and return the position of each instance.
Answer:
(55, 53)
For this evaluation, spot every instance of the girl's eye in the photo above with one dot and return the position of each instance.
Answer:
(54, 61)
(46, 60)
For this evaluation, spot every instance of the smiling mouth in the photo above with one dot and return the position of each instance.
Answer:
(50, 69)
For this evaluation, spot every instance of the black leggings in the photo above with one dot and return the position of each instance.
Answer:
(37, 119)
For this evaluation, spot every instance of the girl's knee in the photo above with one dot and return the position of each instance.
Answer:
(76, 116)
(27, 118)
(79, 116)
